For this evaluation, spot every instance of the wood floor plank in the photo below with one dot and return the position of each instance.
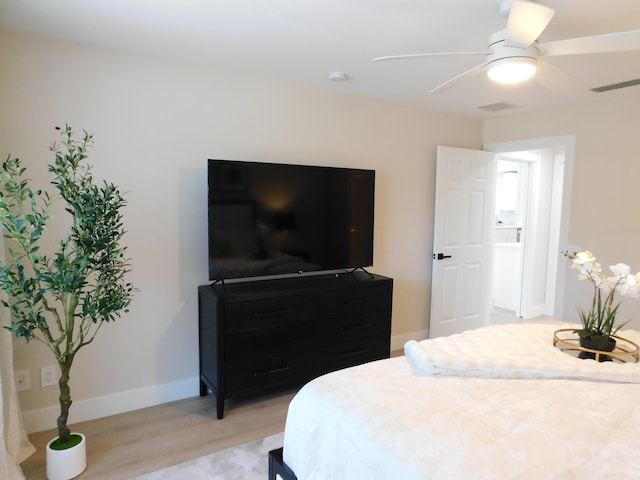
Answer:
(126, 445)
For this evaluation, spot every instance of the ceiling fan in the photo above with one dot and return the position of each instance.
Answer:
(513, 54)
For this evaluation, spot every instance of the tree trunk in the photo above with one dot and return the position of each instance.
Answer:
(65, 402)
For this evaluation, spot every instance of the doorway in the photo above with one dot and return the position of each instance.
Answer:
(464, 227)
(512, 198)
(531, 228)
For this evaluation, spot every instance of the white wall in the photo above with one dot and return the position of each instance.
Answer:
(606, 169)
(155, 124)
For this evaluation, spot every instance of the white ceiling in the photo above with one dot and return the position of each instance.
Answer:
(302, 41)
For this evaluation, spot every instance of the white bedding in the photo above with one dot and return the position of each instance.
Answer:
(383, 421)
(522, 350)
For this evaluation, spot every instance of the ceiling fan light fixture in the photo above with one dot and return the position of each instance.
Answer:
(512, 69)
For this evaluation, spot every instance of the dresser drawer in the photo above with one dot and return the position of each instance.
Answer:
(266, 313)
(285, 367)
(348, 354)
(364, 299)
(260, 342)
(338, 329)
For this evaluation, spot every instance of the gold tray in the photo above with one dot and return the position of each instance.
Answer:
(625, 351)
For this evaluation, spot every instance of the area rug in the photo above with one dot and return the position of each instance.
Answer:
(244, 462)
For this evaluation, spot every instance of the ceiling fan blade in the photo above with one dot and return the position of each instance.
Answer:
(472, 72)
(419, 55)
(609, 42)
(557, 80)
(527, 20)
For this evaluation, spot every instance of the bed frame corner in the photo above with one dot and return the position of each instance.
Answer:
(278, 467)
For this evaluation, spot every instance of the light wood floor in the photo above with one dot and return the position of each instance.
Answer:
(123, 446)
(130, 444)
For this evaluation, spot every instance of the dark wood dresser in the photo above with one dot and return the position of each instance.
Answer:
(267, 334)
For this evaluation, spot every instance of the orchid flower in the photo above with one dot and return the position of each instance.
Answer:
(599, 319)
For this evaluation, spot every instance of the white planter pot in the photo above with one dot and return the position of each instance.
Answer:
(66, 464)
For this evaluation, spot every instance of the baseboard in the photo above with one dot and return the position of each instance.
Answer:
(98, 407)
(398, 341)
(92, 408)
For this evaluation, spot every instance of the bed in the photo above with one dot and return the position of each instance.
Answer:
(500, 402)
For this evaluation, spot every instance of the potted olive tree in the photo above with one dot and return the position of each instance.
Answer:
(63, 298)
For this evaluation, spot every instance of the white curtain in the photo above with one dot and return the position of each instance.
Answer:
(15, 447)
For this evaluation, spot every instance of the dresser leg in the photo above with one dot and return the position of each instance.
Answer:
(220, 406)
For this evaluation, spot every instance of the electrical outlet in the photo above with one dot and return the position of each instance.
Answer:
(22, 380)
(48, 376)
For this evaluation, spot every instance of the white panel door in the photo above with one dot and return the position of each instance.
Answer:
(462, 240)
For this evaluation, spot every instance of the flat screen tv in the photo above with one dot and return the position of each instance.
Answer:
(276, 219)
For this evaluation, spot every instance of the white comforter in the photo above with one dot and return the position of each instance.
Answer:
(513, 351)
(392, 420)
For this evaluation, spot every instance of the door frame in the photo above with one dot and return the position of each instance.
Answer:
(567, 142)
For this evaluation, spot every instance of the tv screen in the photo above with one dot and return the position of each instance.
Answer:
(274, 219)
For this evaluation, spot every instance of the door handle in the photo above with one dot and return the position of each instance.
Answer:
(441, 256)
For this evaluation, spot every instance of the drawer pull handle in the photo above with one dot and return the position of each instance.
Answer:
(351, 353)
(271, 371)
(354, 326)
(271, 341)
(272, 313)
(351, 301)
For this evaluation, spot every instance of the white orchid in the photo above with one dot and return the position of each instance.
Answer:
(599, 320)
(630, 286)
(620, 269)
(586, 263)
(583, 257)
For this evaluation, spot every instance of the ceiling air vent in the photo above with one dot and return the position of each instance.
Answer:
(616, 86)
(496, 107)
